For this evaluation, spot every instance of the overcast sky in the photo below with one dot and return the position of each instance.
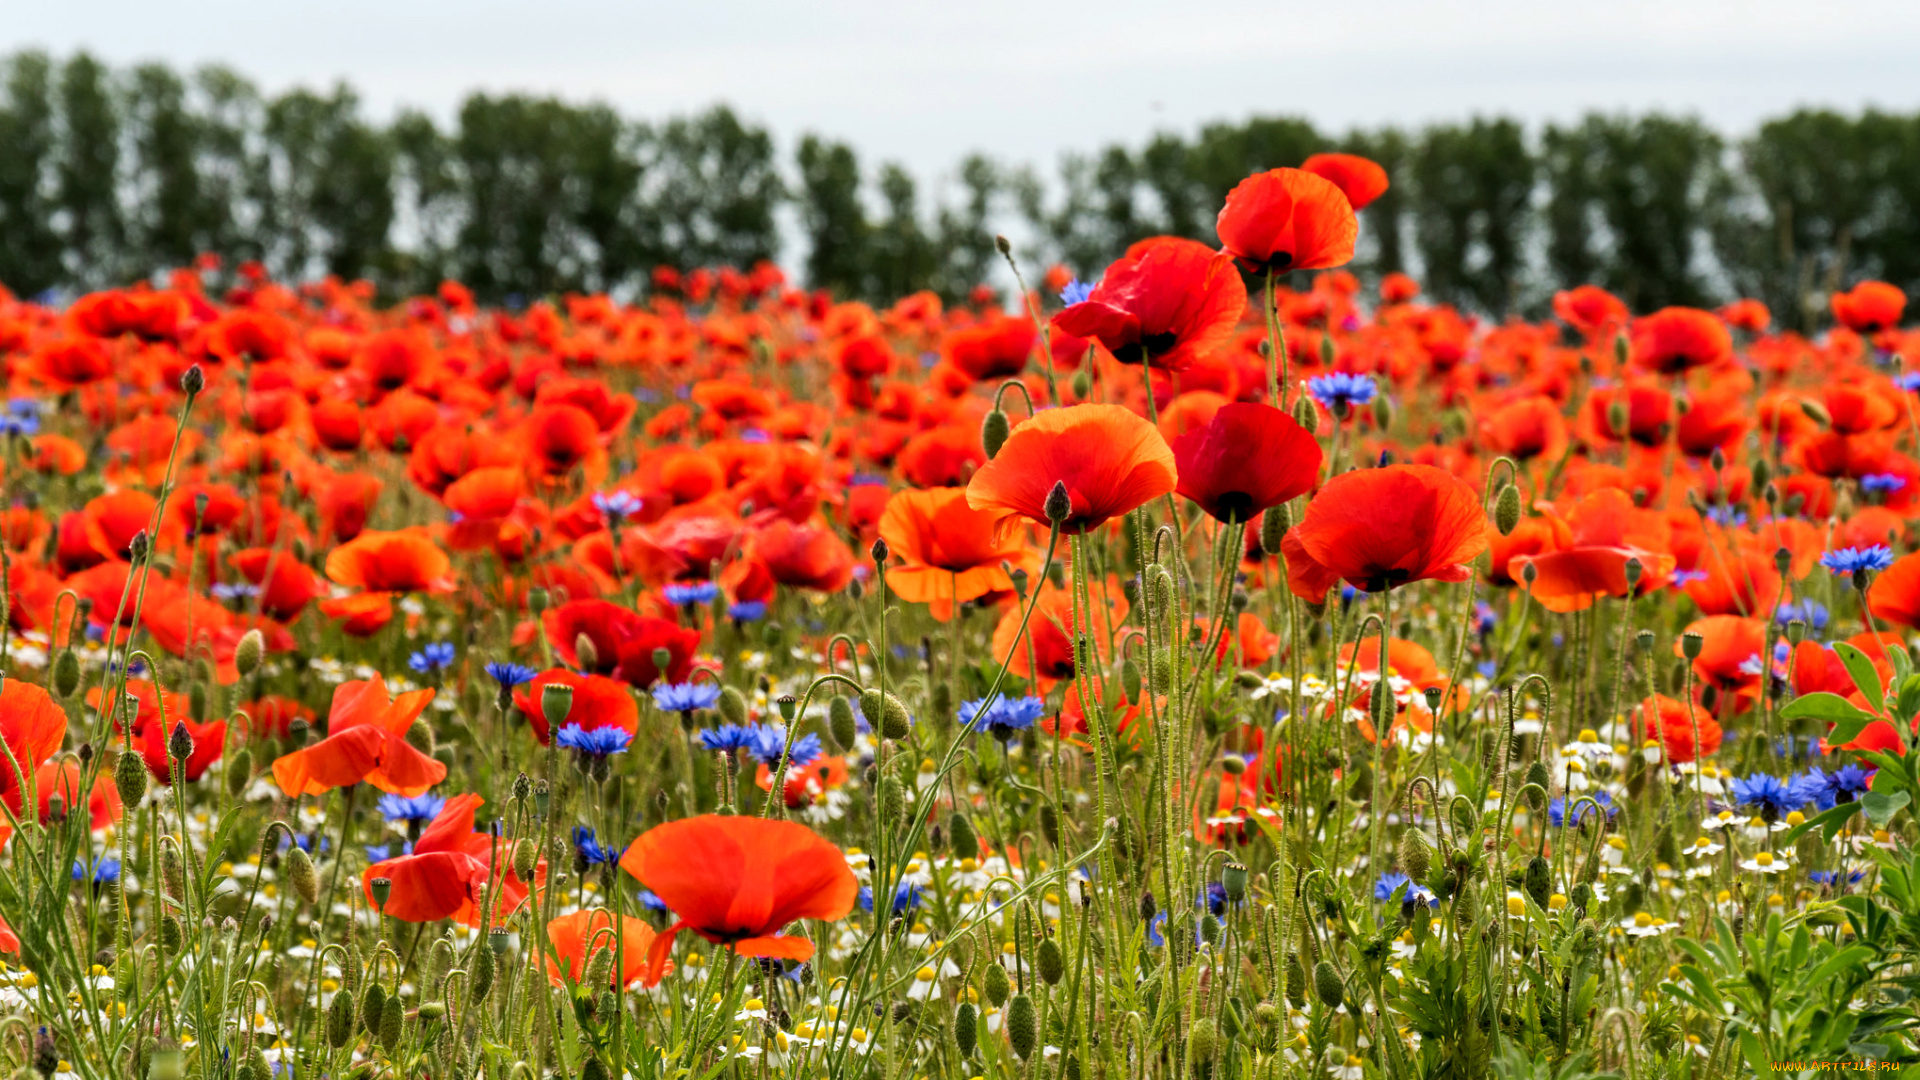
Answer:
(1025, 81)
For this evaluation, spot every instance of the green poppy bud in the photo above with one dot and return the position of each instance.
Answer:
(1416, 853)
(340, 1020)
(1203, 1038)
(1059, 507)
(1328, 984)
(1273, 528)
(246, 654)
(130, 777)
(393, 1021)
(300, 872)
(239, 772)
(993, 433)
(998, 985)
(66, 674)
(1306, 415)
(733, 705)
(1023, 1025)
(1506, 509)
(1050, 962)
(373, 1004)
(966, 1028)
(840, 722)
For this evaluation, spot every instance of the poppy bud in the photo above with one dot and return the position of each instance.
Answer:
(130, 777)
(1203, 1038)
(297, 732)
(481, 982)
(733, 705)
(1234, 879)
(1528, 572)
(340, 1020)
(193, 380)
(139, 547)
(1233, 765)
(878, 550)
(393, 1022)
(172, 935)
(894, 720)
(1001, 245)
(1022, 1025)
(1159, 590)
(1538, 880)
(556, 701)
(246, 655)
(1296, 981)
(239, 771)
(1617, 418)
(961, 839)
(180, 743)
(1306, 415)
(993, 432)
(584, 651)
(197, 702)
(840, 723)
(1273, 528)
(1382, 412)
(538, 599)
(1817, 413)
(599, 969)
(525, 859)
(1049, 961)
(1328, 984)
(1082, 385)
(1539, 776)
(522, 787)
(1129, 679)
(373, 1005)
(1506, 509)
(300, 873)
(1059, 508)
(1381, 707)
(432, 1011)
(892, 802)
(1050, 823)
(1690, 643)
(66, 674)
(998, 985)
(966, 1028)
(420, 736)
(1416, 854)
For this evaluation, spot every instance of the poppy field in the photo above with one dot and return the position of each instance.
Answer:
(1212, 668)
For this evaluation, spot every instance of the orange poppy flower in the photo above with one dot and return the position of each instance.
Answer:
(1249, 457)
(1677, 339)
(33, 727)
(993, 348)
(942, 457)
(623, 641)
(1110, 460)
(1050, 633)
(1727, 643)
(738, 881)
(1529, 428)
(366, 741)
(1590, 549)
(1869, 307)
(577, 935)
(1674, 724)
(597, 702)
(561, 438)
(951, 553)
(391, 562)
(1295, 219)
(801, 556)
(286, 584)
(1380, 528)
(1361, 180)
(1165, 303)
(447, 873)
(1590, 309)
(1894, 595)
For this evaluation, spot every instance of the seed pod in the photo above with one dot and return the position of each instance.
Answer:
(130, 778)
(993, 433)
(300, 873)
(1506, 509)
(393, 1021)
(480, 981)
(1416, 853)
(1234, 879)
(1296, 981)
(1049, 961)
(998, 985)
(966, 1028)
(1306, 415)
(1023, 1025)
(1690, 643)
(239, 771)
(373, 1004)
(340, 1019)
(246, 654)
(1328, 984)
(66, 674)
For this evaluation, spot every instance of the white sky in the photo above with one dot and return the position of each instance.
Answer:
(925, 83)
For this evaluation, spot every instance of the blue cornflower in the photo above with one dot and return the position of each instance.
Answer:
(1908, 381)
(651, 901)
(770, 742)
(233, 590)
(616, 505)
(1557, 810)
(595, 742)
(591, 851)
(1770, 795)
(1389, 882)
(905, 898)
(685, 697)
(435, 657)
(1726, 515)
(1881, 483)
(1848, 782)
(728, 738)
(1076, 292)
(509, 675)
(1847, 560)
(1812, 787)
(383, 852)
(1154, 937)
(867, 479)
(1832, 877)
(417, 808)
(1484, 618)
(21, 418)
(1810, 612)
(104, 872)
(747, 611)
(699, 592)
(1214, 896)
(1004, 717)
(1683, 577)
(755, 435)
(1340, 391)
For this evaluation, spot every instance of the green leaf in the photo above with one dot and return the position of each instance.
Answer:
(1829, 822)
(1865, 676)
(1881, 808)
(1908, 701)
(1756, 1053)
(1823, 706)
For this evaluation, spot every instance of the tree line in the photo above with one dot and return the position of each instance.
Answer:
(107, 174)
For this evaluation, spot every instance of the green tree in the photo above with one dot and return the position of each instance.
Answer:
(29, 246)
(902, 256)
(330, 199)
(715, 189)
(87, 189)
(838, 235)
(965, 229)
(1472, 188)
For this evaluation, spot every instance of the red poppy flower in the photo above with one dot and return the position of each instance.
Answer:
(1677, 339)
(1110, 459)
(62, 778)
(366, 741)
(948, 550)
(578, 935)
(286, 584)
(993, 348)
(1529, 428)
(1050, 633)
(1589, 550)
(1165, 303)
(623, 641)
(560, 438)
(447, 873)
(151, 740)
(1894, 595)
(1674, 723)
(1590, 309)
(1728, 643)
(403, 561)
(33, 727)
(597, 702)
(1869, 307)
(801, 556)
(1298, 219)
(738, 881)
(1247, 458)
(1379, 528)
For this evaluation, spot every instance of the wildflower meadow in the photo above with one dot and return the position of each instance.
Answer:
(1209, 668)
